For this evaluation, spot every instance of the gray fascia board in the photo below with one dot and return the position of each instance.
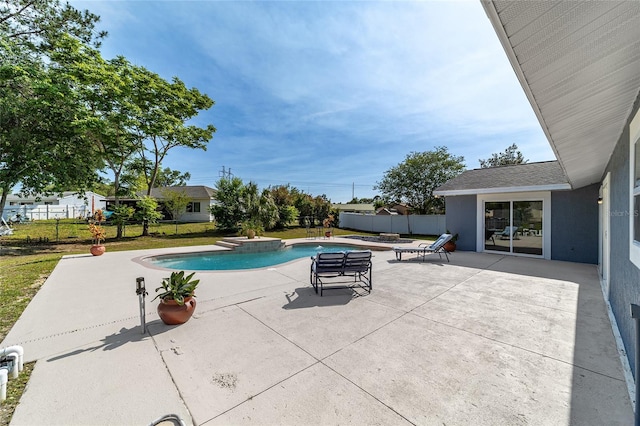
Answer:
(453, 192)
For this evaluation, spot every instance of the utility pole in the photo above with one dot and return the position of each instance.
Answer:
(353, 190)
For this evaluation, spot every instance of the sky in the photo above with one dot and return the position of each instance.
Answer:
(327, 96)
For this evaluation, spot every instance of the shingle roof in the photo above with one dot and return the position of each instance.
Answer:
(547, 175)
(194, 192)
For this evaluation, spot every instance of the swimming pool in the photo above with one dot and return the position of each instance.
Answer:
(224, 261)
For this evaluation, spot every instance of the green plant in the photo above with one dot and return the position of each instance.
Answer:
(254, 225)
(454, 238)
(177, 287)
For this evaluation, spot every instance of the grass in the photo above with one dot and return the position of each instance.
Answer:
(29, 255)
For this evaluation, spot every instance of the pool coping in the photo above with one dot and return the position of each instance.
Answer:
(143, 260)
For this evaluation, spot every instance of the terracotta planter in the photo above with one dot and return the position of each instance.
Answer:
(450, 246)
(97, 249)
(171, 313)
(327, 234)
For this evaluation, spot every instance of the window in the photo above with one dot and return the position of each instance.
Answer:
(193, 207)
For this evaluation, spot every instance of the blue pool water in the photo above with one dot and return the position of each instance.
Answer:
(208, 261)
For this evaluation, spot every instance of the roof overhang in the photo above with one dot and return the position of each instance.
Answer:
(454, 192)
(579, 65)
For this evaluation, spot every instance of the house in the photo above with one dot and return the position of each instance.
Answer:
(395, 209)
(354, 208)
(198, 210)
(383, 211)
(67, 204)
(534, 202)
(67, 198)
(579, 66)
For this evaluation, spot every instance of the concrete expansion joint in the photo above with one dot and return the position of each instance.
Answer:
(89, 327)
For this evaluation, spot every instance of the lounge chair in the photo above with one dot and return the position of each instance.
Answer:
(5, 229)
(509, 231)
(334, 265)
(423, 249)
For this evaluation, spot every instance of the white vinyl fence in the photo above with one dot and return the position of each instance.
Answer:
(43, 212)
(396, 224)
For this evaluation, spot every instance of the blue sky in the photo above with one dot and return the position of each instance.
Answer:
(329, 95)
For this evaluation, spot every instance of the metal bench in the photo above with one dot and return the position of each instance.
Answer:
(356, 264)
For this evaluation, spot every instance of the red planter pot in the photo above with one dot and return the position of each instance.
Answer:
(450, 246)
(97, 250)
(172, 314)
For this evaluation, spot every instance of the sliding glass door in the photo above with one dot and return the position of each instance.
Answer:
(513, 226)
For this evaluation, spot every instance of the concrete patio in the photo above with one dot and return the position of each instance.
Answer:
(484, 340)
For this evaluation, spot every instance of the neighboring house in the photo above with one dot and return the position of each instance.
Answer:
(579, 66)
(400, 209)
(199, 207)
(68, 204)
(383, 211)
(354, 208)
(67, 198)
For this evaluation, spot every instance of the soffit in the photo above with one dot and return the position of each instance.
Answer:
(579, 64)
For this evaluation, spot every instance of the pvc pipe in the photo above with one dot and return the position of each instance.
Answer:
(13, 358)
(17, 350)
(4, 378)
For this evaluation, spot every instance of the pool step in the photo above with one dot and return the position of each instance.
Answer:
(227, 244)
(245, 245)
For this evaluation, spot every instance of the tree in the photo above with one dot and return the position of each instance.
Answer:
(283, 197)
(163, 110)
(357, 200)
(148, 213)
(105, 88)
(229, 210)
(167, 177)
(511, 155)
(42, 144)
(321, 207)
(121, 214)
(36, 23)
(304, 204)
(412, 182)
(176, 201)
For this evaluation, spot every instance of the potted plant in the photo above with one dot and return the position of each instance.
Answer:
(97, 234)
(450, 245)
(251, 228)
(177, 301)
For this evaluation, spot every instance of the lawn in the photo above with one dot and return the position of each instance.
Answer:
(29, 255)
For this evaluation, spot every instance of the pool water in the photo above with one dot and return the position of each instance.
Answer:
(221, 261)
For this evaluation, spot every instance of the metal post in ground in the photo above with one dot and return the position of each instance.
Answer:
(141, 291)
(635, 314)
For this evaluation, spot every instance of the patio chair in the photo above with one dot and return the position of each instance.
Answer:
(325, 265)
(358, 264)
(509, 232)
(423, 249)
(308, 228)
